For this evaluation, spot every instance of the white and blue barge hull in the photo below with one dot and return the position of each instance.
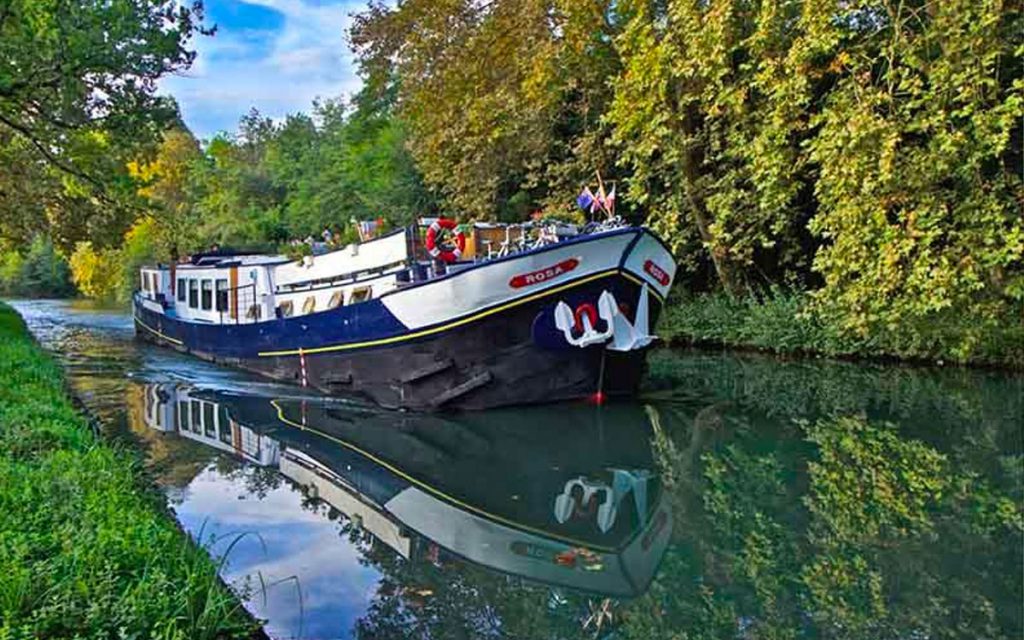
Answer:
(563, 321)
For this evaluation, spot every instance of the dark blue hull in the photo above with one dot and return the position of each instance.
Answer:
(505, 355)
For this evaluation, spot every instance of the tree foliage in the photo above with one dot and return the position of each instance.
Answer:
(68, 66)
(919, 158)
(272, 183)
(710, 117)
(78, 99)
(503, 100)
(95, 272)
(40, 271)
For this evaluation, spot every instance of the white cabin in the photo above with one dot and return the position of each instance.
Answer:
(251, 288)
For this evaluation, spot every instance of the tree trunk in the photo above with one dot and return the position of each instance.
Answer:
(729, 275)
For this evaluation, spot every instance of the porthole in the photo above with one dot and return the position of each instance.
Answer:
(360, 295)
(309, 306)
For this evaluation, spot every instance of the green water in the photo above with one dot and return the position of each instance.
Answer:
(757, 498)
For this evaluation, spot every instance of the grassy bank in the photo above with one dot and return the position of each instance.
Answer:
(87, 548)
(783, 323)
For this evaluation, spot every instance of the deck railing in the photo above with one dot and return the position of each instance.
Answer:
(239, 305)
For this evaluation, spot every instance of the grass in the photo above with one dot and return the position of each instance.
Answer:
(782, 323)
(87, 546)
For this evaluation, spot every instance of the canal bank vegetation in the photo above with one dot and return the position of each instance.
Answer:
(87, 548)
(864, 155)
(791, 323)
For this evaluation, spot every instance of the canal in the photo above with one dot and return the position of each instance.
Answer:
(740, 497)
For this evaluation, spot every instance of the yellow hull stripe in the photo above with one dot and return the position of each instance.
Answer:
(629, 276)
(446, 327)
(437, 492)
(152, 330)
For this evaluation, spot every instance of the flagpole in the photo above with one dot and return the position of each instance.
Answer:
(601, 191)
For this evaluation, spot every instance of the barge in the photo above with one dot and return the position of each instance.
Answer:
(420, 325)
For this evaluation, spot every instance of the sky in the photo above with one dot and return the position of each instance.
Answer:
(290, 540)
(275, 55)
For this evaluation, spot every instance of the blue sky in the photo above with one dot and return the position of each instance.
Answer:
(275, 55)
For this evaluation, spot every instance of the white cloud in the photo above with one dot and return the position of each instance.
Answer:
(278, 71)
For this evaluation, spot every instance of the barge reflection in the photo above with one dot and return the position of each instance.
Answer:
(550, 496)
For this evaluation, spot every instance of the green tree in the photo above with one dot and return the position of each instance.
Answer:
(367, 171)
(78, 96)
(96, 272)
(73, 65)
(237, 202)
(10, 271)
(919, 157)
(44, 272)
(502, 100)
(167, 184)
(710, 116)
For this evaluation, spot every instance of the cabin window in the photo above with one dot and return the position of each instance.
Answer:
(286, 309)
(154, 283)
(197, 417)
(309, 306)
(182, 415)
(361, 294)
(209, 426)
(181, 290)
(222, 294)
(225, 423)
(193, 293)
(335, 300)
(207, 295)
(145, 281)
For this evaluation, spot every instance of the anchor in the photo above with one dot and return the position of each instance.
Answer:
(624, 482)
(565, 320)
(624, 335)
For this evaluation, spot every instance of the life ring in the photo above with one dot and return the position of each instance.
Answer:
(447, 255)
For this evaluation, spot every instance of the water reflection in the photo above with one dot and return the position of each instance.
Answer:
(563, 502)
(743, 497)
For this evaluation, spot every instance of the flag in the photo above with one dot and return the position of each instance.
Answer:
(609, 202)
(368, 229)
(586, 200)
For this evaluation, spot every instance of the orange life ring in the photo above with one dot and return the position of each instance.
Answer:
(448, 255)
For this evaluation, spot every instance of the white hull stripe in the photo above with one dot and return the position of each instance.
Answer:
(483, 286)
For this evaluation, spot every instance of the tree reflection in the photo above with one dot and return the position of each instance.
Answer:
(840, 527)
(809, 501)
